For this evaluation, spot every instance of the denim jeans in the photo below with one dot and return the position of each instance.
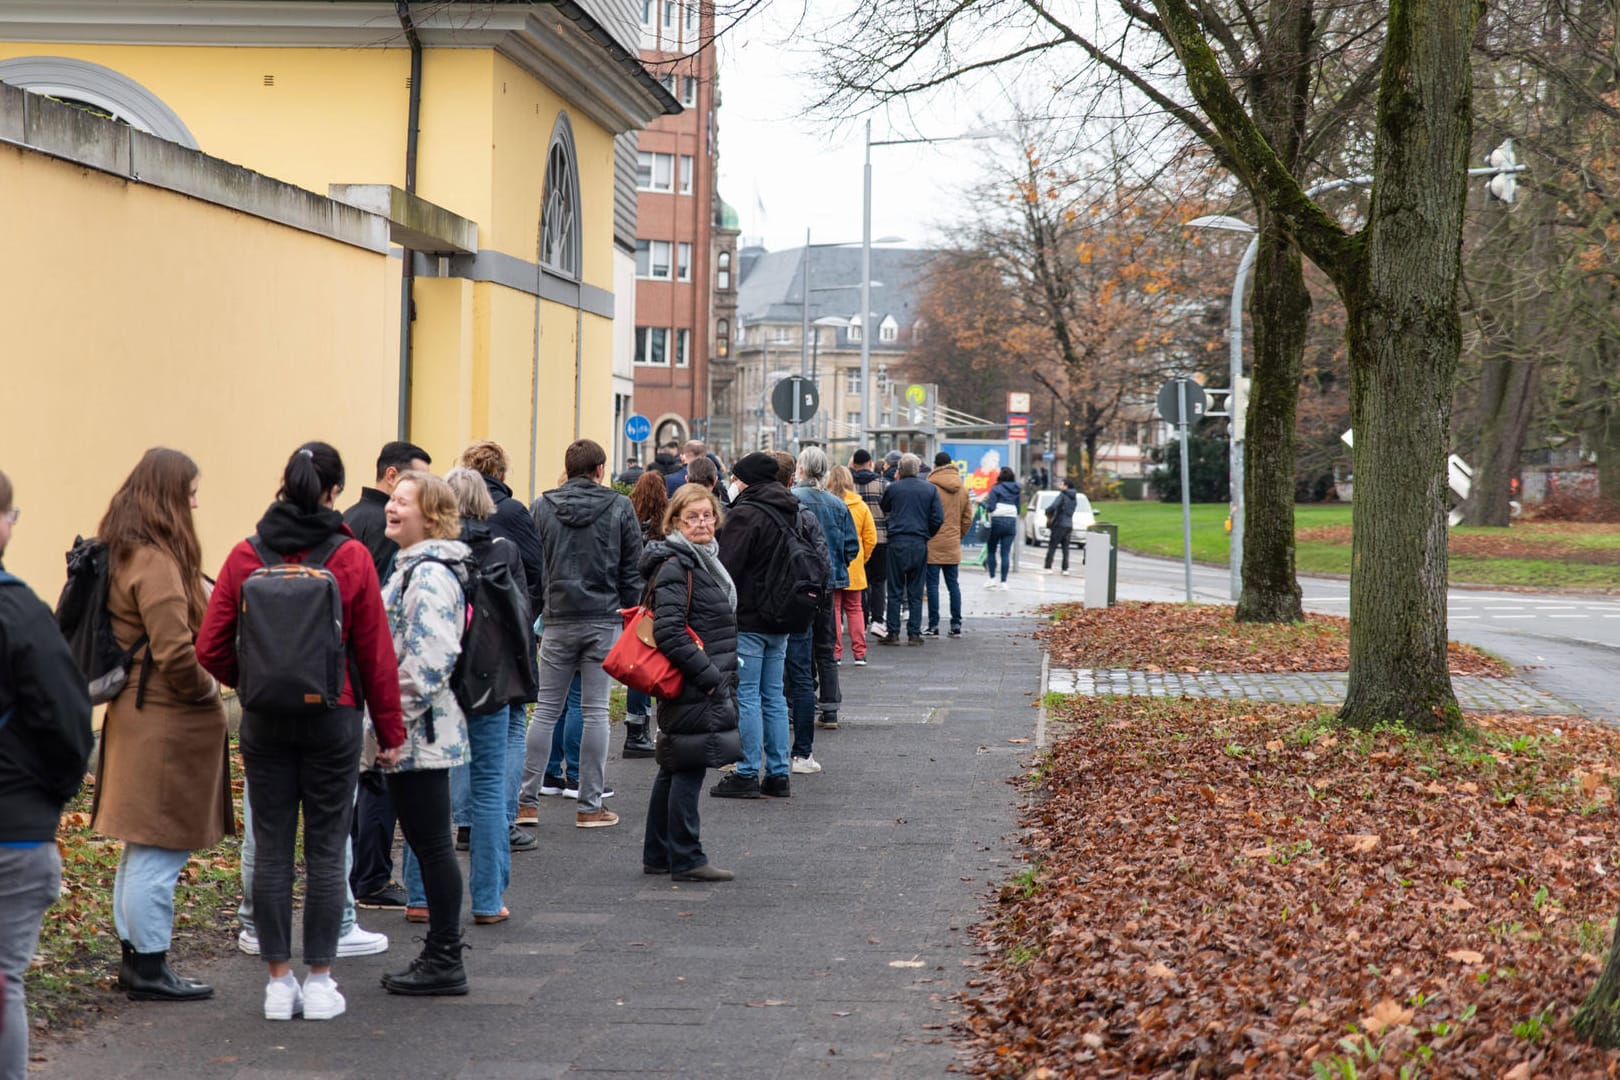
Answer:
(671, 840)
(143, 895)
(517, 727)
(568, 648)
(29, 880)
(295, 763)
(422, 797)
(564, 759)
(637, 704)
(812, 678)
(1003, 530)
(953, 586)
(480, 787)
(244, 911)
(762, 720)
(907, 561)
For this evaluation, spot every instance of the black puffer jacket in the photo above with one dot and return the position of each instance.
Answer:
(698, 728)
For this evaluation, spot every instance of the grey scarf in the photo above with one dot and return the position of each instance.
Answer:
(709, 555)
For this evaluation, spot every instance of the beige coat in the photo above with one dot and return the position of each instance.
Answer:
(945, 548)
(163, 779)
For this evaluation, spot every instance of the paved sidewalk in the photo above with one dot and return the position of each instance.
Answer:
(832, 955)
(1326, 687)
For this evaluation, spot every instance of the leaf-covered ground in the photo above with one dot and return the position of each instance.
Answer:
(1229, 888)
(1204, 637)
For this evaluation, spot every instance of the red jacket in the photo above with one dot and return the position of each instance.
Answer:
(365, 630)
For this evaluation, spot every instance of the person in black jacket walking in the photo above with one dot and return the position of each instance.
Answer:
(44, 747)
(1062, 524)
(697, 730)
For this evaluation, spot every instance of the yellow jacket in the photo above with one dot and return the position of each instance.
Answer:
(866, 528)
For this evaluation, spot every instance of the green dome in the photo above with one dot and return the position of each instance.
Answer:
(727, 217)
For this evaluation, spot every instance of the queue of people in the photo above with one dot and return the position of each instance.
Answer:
(431, 659)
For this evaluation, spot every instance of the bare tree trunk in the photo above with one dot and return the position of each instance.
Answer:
(1280, 310)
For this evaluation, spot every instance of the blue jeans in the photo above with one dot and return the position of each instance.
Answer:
(907, 561)
(478, 800)
(564, 760)
(517, 726)
(244, 911)
(143, 895)
(762, 719)
(637, 704)
(29, 880)
(1002, 532)
(952, 586)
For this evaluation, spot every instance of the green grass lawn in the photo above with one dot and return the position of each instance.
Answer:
(1154, 528)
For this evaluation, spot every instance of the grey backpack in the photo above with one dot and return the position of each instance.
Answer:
(289, 633)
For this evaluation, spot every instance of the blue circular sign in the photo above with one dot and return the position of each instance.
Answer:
(637, 428)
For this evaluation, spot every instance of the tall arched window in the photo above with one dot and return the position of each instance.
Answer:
(559, 207)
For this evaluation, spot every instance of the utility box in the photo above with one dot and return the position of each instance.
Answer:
(1102, 564)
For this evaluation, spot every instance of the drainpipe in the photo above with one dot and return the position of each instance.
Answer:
(407, 275)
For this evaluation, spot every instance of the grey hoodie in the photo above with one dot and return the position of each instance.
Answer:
(591, 543)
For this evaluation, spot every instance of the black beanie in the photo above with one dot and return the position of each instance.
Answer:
(755, 468)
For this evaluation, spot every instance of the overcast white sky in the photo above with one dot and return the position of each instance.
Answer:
(784, 172)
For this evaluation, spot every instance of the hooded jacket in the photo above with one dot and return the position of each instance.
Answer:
(513, 522)
(837, 530)
(697, 729)
(45, 739)
(1004, 493)
(751, 538)
(945, 546)
(426, 618)
(291, 533)
(861, 514)
(1063, 509)
(591, 543)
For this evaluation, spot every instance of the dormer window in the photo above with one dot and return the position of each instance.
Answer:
(888, 329)
(855, 328)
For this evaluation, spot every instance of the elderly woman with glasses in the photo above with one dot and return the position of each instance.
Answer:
(697, 729)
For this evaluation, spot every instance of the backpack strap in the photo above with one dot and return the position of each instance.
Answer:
(260, 550)
(323, 551)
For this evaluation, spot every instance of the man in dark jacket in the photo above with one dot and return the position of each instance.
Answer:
(592, 543)
(870, 486)
(753, 536)
(1061, 527)
(914, 514)
(371, 878)
(812, 671)
(509, 519)
(45, 744)
(632, 472)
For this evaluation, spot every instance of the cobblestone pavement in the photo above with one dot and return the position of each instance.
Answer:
(1325, 687)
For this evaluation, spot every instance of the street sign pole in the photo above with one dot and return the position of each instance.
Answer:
(1186, 490)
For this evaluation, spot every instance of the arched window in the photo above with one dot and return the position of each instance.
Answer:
(722, 335)
(102, 89)
(723, 275)
(559, 206)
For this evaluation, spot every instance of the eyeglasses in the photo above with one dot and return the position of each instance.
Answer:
(12, 515)
(697, 519)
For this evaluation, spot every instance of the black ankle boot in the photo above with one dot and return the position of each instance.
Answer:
(437, 971)
(148, 977)
(637, 742)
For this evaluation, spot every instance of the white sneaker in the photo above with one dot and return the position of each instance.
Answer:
(1065, 573)
(283, 1000)
(361, 942)
(990, 584)
(877, 629)
(321, 999)
(248, 942)
(805, 765)
(861, 662)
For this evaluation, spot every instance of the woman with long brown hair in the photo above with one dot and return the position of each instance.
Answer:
(163, 781)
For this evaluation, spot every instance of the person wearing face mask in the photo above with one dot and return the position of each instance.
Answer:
(305, 762)
(697, 729)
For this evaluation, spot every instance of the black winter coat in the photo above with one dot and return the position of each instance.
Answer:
(513, 522)
(698, 728)
(751, 539)
(592, 544)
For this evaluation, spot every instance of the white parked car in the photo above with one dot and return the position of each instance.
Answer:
(1035, 531)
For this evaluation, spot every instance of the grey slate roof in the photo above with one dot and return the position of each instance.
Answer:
(772, 284)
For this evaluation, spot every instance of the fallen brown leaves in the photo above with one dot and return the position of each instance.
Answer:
(1220, 888)
(1204, 637)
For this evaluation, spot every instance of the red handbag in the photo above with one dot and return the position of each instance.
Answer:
(635, 659)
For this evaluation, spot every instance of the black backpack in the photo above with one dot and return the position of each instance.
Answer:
(794, 585)
(496, 667)
(290, 656)
(81, 612)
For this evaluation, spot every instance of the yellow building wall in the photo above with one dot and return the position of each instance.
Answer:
(143, 318)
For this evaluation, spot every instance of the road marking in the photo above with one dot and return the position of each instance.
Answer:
(1515, 616)
(1457, 617)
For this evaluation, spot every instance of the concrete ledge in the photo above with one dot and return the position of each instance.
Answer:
(37, 123)
(413, 222)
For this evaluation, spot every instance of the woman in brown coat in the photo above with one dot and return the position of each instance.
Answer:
(163, 780)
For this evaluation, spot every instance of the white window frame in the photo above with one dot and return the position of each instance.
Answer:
(683, 261)
(669, 15)
(649, 14)
(722, 273)
(782, 335)
(645, 347)
(683, 347)
(691, 18)
(852, 381)
(688, 167)
(689, 91)
(855, 330)
(648, 256)
(648, 163)
(888, 329)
